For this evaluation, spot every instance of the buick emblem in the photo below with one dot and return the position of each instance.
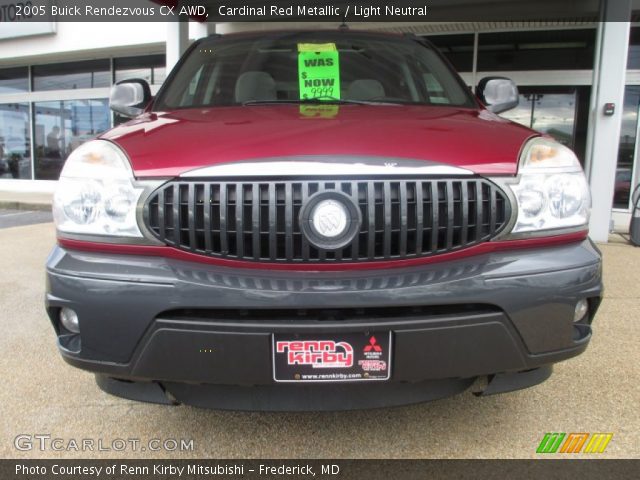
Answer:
(330, 218)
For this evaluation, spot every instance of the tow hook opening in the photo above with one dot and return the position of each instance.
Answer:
(509, 381)
(481, 384)
(144, 391)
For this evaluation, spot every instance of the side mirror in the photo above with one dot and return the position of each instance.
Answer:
(130, 97)
(499, 94)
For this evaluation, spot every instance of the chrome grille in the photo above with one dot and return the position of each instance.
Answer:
(259, 220)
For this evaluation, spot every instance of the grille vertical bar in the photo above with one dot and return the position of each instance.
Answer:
(371, 221)
(288, 220)
(493, 212)
(255, 220)
(464, 199)
(419, 218)
(159, 209)
(449, 195)
(355, 196)
(435, 215)
(191, 217)
(272, 221)
(403, 218)
(206, 221)
(305, 242)
(479, 211)
(176, 214)
(387, 220)
(239, 189)
(224, 242)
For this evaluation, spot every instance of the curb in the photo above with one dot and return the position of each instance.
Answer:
(30, 206)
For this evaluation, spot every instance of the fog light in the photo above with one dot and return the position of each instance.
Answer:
(69, 320)
(582, 308)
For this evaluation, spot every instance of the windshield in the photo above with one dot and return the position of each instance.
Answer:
(327, 67)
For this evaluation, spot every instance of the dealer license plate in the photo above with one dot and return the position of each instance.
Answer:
(345, 357)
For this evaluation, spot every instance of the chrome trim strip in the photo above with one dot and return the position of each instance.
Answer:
(322, 166)
(552, 232)
(503, 185)
(149, 186)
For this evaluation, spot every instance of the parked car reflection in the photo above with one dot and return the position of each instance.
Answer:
(622, 189)
(14, 157)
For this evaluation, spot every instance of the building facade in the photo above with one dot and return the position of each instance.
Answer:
(54, 87)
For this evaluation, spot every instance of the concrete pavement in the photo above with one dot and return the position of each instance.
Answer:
(595, 392)
(16, 218)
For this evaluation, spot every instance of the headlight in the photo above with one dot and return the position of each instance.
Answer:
(551, 191)
(96, 194)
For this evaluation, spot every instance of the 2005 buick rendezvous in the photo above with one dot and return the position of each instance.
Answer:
(319, 220)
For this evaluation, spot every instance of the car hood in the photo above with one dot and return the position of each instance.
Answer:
(167, 144)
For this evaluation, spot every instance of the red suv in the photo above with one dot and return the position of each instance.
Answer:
(319, 220)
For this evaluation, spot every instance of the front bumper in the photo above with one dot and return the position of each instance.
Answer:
(150, 319)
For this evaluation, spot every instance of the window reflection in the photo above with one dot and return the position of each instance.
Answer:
(68, 76)
(522, 113)
(15, 141)
(14, 80)
(62, 126)
(555, 115)
(536, 50)
(628, 132)
(150, 68)
(550, 113)
(457, 48)
(633, 57)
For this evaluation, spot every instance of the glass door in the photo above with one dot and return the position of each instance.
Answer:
(627, 153)
(559, 111)
(550, 111)
(61, 127)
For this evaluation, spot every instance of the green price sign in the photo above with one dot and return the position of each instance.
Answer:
(318, 71)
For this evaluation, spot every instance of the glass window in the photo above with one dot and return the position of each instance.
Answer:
(14, 80)
(633, 59)
(67, 76)
(60, 127)
(150, 68)
(457, 48)
(15, 141)
(352, 66)
(628, 133)
(159, 75)
(536, 50)
(553, 113)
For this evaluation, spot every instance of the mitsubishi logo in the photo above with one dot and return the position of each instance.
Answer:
(373, 345)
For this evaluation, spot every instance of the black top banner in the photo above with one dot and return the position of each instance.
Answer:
(349, 11)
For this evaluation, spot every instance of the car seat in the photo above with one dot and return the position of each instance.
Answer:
(258, 86)
(365, 89)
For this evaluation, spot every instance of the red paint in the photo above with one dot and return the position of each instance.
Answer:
(167, 144)
(174, 253)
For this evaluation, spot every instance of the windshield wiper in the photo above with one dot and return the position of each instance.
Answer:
(317, 101)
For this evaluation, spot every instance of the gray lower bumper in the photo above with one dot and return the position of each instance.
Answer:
(149, 318)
